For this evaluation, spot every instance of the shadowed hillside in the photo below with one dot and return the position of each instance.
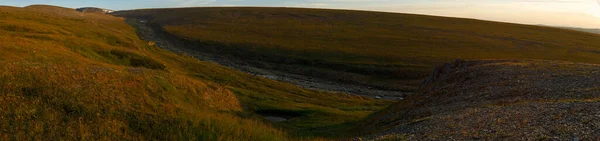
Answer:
(498, 100)
(382, 50)
(69, 75)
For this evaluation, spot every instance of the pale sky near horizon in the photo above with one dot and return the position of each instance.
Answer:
(575, 13)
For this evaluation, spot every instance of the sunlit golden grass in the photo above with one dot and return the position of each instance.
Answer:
(83, 76)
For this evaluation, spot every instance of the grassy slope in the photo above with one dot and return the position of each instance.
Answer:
(388, 50)
(70, 75)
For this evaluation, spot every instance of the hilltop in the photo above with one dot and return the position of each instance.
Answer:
(499, 100)
(69, 75)
(383, 51)
(63, 10)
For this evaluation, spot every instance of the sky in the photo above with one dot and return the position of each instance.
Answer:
(573, 13)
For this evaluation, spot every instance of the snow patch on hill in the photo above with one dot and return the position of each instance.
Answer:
(94, 9)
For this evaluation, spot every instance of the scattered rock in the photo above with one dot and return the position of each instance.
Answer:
(539, 107)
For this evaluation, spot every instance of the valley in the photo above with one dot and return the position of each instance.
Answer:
(290, 74)
(391, 53)
(171, 43)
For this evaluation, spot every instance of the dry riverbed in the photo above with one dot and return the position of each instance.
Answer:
(148, 33)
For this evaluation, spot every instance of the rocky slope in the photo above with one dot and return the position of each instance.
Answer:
(500, 100)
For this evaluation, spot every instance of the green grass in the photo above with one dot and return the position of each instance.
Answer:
(386, 50)
(83, 76)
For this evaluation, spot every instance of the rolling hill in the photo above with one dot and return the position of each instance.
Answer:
(387, 51)
(69, 75)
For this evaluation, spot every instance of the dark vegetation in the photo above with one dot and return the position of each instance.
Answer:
(132, 59)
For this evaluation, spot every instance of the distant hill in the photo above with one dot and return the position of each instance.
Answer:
(52, 9)
(68, 12)
(381, 50)
(590, 30)
(63, 10)
(94, 10)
